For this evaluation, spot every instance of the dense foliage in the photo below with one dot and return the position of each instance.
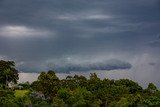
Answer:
(8, 73)
(78, 91)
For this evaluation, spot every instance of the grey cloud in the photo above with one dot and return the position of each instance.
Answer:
(106, 65)
(22, 31)
(51, 29)
(67, 67)
(123, 27)
(152, 63)
(155, 43)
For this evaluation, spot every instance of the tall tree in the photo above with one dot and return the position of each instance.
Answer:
(8, 72)
(47, 83)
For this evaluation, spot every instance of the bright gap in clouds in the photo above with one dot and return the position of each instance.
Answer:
(71, 17)
(21, 31)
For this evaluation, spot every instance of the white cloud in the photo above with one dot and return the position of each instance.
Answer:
(3, 57)
(21, 31)
(98, 16)
(30, 77)
(84, 16)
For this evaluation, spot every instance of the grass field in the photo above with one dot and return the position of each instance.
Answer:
(20, 93)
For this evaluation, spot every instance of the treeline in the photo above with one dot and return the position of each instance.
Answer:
(78, 91)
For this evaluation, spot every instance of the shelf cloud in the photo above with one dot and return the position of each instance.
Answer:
(108, 65)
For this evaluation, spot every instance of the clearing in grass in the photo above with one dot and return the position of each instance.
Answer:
(21, 93)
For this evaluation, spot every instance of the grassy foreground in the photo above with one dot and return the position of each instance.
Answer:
(20, 93)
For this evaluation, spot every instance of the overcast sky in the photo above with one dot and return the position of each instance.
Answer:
(117, 38)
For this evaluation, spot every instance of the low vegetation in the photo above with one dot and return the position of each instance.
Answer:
(20, 93)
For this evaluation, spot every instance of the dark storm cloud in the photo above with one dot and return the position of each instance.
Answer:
(67, 67)
(75, 26)
(106, 65)
(37, 33)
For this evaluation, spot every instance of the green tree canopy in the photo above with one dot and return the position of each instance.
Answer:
(47, 83)
(8, 72)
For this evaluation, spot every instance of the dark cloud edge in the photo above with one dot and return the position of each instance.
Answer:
(108, 65)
